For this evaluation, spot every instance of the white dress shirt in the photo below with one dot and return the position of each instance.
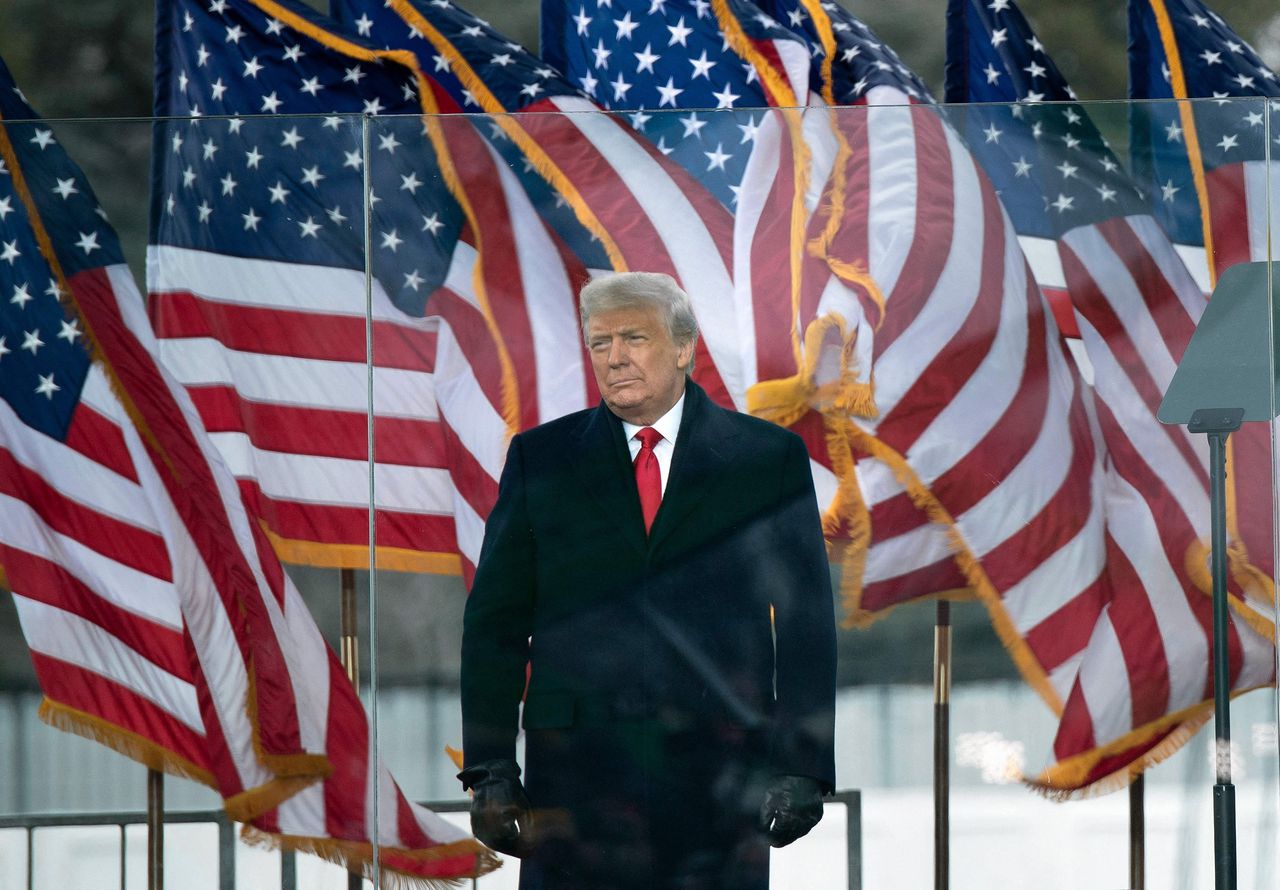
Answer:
(669, 426)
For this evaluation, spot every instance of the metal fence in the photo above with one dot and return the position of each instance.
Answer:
(851, 801)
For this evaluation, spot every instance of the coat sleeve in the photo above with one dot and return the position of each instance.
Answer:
(803, 741)
(498, 621)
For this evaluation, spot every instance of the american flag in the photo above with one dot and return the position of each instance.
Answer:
(1211, 176)
(591, 174)
(258, 285)
(1203, 164)
(159, 620)
(947, 401)
(1141, 684)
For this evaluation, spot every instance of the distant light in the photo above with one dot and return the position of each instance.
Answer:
(1000, 760)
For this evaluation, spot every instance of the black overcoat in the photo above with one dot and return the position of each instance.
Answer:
(670, 674)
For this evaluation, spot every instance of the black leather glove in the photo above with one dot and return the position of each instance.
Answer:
(500, 817)
(792, 806)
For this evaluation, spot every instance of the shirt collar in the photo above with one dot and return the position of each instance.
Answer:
(668, 424)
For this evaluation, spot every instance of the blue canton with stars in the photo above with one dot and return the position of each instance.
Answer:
(647, 56)
(862, 60)
(1217, 65)
(44, 359)
(1047, 159)
(516, 78)
(279, 173)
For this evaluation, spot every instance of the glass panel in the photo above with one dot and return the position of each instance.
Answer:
(1011, 464)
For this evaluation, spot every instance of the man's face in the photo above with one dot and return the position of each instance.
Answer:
(640, 370)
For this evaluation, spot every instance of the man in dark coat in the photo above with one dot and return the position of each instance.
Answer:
(656, 564)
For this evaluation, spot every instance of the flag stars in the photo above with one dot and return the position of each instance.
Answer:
(278, 192)
(702, 66)
(228, 185)
(271, 103)
(311, 175)
(387, 142)
(749, 130)
(993, 133)
(234, 124)
(252, 67)
(293, 54)
(1173, 133)
(1072, 117)
(410, 183)
(639, 119)
(645, 59)
(311, 86)
(6, 207)
(47, 387)
(716, 159)
(308, 228)
(692, 125)
(1229, 141)
(1035, 70)
(391, 240)
(21, 296)
(679, 33)
(582, 21)
(601, 55)
(54, 290)
(66, 188)
(432, 223)
(669, 93)
(726, 97)
(10, 251)
(43, 138)
(252, 158)
(1022, 167)
(189, 177)
(352, 159)
(353, 75)
(208, 150)
(202, 56)
(1106, 194)
(336, 215)
(4, 350)
(502, 60)
(1067, 170)
(70, 331)
(620, 88)
(205, 211)
(251, 220)
(234, 34)
(1245, 81)
(990, 71)
(290, 138)
(532, 88)
(625, 26)
(364, 25)
(1253, 119)
(31, 341)
(1063, 204)
(999, 36)
(1168, 190)
(413, 281)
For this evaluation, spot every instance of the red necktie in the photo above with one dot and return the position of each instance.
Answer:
(648, 475)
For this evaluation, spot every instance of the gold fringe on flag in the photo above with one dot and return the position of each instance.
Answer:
(357, 856)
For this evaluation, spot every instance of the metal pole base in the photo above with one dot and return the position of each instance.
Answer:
(1224, 836)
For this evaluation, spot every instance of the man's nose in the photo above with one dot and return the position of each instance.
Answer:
(617, 354)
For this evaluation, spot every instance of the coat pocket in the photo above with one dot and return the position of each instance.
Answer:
(548, 710)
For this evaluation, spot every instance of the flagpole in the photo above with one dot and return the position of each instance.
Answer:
(155, 830)
(1137, 834)
(941, 745)
(349, 643)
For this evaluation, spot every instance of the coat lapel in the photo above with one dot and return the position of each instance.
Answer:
(605, 471)
(704, 445)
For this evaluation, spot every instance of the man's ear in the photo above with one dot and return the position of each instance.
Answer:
(684, 356)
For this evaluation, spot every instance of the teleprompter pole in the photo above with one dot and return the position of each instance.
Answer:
(155, 830)
(1218, 424)
(942, 746)
(350, 654)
